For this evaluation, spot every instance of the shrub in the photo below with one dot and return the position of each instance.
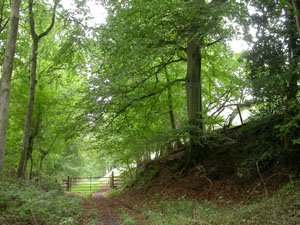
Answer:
(24, 203)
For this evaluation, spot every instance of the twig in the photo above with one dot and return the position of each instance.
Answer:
(261, 177)
(204, 175)
(34, 219)
(286, 174)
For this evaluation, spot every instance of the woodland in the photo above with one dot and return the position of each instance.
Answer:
(156, 91)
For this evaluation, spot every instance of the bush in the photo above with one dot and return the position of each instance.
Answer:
(145, 176)
(24, 203)
(48, 185)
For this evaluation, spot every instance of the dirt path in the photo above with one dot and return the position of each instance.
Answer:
(101, 210)
(98, 210)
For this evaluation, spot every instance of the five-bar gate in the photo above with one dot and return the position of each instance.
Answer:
(88, 185)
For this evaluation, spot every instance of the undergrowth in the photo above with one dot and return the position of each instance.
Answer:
(24, 203)
(282, 208)
(115, 192)
(145, 176)
(126, 218)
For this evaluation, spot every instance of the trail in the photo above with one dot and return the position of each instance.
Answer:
(101, 210)
(98, 209)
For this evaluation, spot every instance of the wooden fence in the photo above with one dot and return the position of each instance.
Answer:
(91, 184)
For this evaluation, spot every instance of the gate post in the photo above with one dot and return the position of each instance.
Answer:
(69, 183)
(90, 185)
(112, 180)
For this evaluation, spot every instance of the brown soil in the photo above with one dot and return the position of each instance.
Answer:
(199, 186)
(99, 210)
(102, 210)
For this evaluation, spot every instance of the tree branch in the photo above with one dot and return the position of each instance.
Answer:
(56, 2)
(2, 9)
(142, 98)
(297, 16)
(1, 17)
(4, 25)
(159, 67)
(225, 95)
(212, 43)
(32, 23)
(31, 19)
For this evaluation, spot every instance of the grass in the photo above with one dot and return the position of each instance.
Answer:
(115, 192)
(126, 218)
(283, 208)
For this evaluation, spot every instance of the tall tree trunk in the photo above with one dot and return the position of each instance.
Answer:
(35, 38)
(27, 126)
(6, 75)
(194, 101)
(193, 85)
(31, 142)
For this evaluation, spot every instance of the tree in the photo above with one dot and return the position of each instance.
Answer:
(6, 75)
(274, 61)
(138, 35)
(58, 117)
(35, 38)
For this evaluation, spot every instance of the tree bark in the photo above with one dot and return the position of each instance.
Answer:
(296, 16)
(194, 104)
(240, 114)
(6, 75)
(193, 85)
(31, 143)
(27, 126)
(170, 103)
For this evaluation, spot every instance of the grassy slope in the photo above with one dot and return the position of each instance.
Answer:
(282, 208)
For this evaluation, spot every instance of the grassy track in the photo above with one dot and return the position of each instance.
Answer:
(87, 188)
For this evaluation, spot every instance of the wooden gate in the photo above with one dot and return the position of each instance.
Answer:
(88, 185)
